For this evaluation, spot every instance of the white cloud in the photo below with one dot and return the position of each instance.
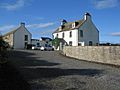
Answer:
(115, 34)
(16, 5)
(41, 25)
(48, 32)
(102, 4)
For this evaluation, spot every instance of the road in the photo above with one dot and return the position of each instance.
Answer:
(48, 70)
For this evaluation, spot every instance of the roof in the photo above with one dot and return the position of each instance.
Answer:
(68, 26)
(11, 32)
(44, 38)
(35, 40)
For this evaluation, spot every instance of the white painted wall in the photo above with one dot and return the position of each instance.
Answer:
(74, 37)
(19, 42)
(34, 42)
(90, 33)
(42, 43)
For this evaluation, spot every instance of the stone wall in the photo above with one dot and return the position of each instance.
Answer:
(102, 54)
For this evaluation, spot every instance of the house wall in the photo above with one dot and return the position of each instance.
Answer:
(101, 54)
(19, 38)
(34, 42)
(90, 33)
(67, 37)
(41, 42)
(9, 39)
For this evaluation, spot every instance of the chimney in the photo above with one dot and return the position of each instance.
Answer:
(87, 16)
(63, 22)
(22, 24)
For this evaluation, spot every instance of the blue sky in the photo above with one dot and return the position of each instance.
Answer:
(42, 17)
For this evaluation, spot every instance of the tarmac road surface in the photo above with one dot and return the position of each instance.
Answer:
(48, 70)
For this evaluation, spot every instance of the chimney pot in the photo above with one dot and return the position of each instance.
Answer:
(22, 24)
(87, 16)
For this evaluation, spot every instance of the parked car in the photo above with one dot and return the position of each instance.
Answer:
(29, 46)
(36, 47)
(47, 48)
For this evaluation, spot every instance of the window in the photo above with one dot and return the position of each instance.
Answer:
(57, 35)
(46, 45)
(26, 44)
(70, 33)
(70, 43)
(73, 25)
(60, 28)
(97, 44)
(38, 44)
(26, 37)
(79, 44)
(81, 33)
(63, 35)
(90, 43)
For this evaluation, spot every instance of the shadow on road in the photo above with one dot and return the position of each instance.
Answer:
(21, 59)
(10, 79)
(31, 68)
(56, 72)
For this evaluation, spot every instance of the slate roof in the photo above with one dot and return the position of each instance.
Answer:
(11, 32)
(68, 26)
(44, 38)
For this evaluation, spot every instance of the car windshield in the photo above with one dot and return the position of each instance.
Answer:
(46, 45)
(33, 45)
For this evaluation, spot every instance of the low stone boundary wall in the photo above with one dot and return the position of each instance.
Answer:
(101, 54)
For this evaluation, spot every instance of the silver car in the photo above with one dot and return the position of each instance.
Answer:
(47, 48)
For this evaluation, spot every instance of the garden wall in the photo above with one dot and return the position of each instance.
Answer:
(101, 54)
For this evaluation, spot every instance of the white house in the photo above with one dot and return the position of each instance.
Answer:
(35, 42)
(82, 32)
(18, 38)
(44, 41)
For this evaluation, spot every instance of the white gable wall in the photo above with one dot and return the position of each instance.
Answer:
(19, 38)
(90, 33)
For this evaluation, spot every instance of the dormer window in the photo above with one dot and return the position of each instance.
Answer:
(61, 27)
(73, 25)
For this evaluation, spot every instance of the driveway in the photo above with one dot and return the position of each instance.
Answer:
(48, 70)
